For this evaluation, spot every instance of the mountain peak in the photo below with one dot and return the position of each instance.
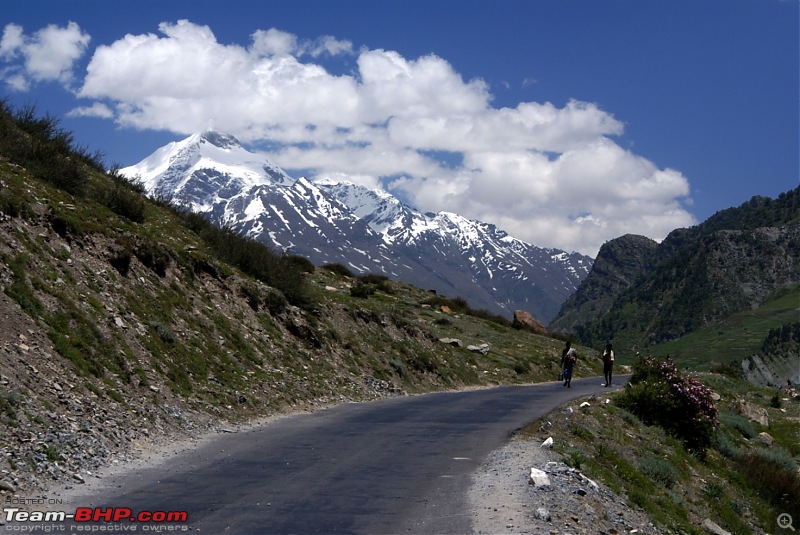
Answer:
(203, 166)
(219, 139)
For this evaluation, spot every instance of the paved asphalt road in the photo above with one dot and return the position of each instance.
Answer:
(401, 465)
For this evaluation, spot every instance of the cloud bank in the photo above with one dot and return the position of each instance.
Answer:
(549, 175)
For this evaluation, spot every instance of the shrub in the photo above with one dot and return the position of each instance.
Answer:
(379, 282)
(459, 305)
(398, 367)
(282, 272)
(659, 470)
(9, 401)
(774, 479)
(521, 367)
(164, 332)
(181, 384)
(779, 457)
(714, 490)
(660, 395)
(727, 369)
(362, 290)
(20, 290)
(726, 445)
(67, 226)
(338, 269)
(125, 201)
(153, 255)
(43, 148)
(253, 296)
(78, 339)
(120, 260)
(13, 203)
(302, 263)
(738, 422)
(276, 303)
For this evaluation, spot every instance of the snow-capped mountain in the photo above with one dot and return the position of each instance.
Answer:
(370, 231)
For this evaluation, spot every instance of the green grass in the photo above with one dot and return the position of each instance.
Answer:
(735, 338)
(736, 482)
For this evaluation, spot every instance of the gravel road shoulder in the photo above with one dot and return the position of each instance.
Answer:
(504, 501)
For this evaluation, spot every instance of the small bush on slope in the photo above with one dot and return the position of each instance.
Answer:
(660, 395)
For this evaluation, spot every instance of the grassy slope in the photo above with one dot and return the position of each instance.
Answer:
(653, 471)
(735, 338)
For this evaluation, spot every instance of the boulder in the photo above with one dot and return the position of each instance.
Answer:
(538, 478)
(482, 349)
(765, 438)
(523, 318)
(712, 527)
(753, 412)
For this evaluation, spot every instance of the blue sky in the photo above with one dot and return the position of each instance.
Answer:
(566, 123)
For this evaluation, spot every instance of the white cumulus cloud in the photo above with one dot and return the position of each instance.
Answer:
(47, 55)
(551, 175)
(98, 109)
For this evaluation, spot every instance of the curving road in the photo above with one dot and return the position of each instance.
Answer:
(401, 465)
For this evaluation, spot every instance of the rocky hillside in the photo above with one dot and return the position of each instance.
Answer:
(777, 362)
(124, 321)
(734, 261)
(617, 266)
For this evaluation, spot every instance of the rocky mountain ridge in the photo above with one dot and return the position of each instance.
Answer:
(619, 263)
(370, 231)
(734, 261)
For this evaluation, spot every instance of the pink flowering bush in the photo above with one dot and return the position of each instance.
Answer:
(660, 395)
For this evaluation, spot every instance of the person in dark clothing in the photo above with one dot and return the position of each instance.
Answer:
(608, 363)
(568, 358)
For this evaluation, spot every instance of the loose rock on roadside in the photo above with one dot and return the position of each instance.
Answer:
(504, 500)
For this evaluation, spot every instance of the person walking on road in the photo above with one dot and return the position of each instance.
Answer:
(568, 358)
(608, 363)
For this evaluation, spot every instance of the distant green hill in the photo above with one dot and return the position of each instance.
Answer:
(697, 277)
(735, 338)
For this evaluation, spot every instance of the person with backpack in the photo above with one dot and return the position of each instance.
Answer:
(608, 363)
(568, 358)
